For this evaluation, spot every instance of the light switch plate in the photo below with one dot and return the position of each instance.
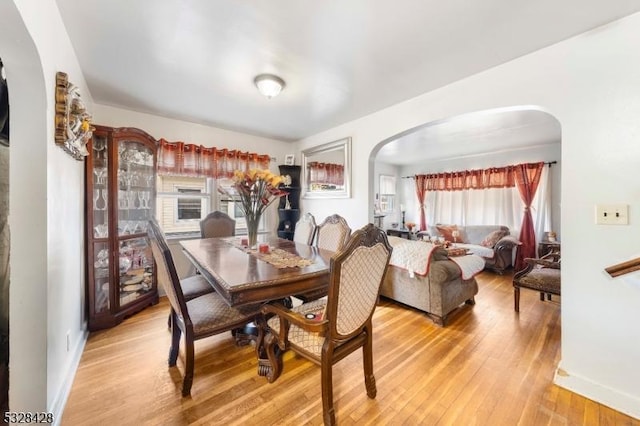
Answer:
(612, 214)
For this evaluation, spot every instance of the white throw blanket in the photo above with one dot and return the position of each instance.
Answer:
(415, 256)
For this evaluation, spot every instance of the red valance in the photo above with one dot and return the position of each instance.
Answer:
(182, 159)
(495, 177)
(326, 173)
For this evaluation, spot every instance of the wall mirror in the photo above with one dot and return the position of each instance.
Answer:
(327, 170)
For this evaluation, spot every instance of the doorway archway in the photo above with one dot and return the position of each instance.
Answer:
(476, 140)
(27, 213)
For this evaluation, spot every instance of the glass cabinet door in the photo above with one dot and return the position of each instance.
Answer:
(136, 269)
(100, 212)
(136, 188)
(136, 195)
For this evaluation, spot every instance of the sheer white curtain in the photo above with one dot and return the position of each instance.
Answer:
(496, 206)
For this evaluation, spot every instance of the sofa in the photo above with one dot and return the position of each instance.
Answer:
(438, 292)
(493, 243)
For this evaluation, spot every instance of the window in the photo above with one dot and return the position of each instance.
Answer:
(387, 193)
(189, 208)
(184, 201)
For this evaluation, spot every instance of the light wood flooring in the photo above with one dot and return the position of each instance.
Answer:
(489, 366)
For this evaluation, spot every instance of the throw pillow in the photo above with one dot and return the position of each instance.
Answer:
(447, 230)
(493, 237)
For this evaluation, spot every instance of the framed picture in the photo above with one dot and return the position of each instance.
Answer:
(289, 159)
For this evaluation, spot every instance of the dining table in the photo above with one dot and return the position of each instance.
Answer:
(245, 276)
(274, 270)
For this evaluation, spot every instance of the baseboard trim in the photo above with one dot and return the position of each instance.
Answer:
(58, 404)
(612, 398)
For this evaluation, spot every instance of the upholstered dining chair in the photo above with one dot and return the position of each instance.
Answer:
(197, 318)
(326, 331)
(217, 224)
(332, 233)
(305, 230)
(542, 275)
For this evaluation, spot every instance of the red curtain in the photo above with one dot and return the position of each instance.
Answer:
(527, 178)
(421, 192)
(181, 159)
(326, 173)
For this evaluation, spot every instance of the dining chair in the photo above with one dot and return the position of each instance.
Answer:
(217, 224)
(542, 275)
(332, 233)
(305, 230)
(197, 318)
(192, 286)
(326, 331)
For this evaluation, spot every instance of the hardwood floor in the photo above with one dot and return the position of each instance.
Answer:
(489, 366)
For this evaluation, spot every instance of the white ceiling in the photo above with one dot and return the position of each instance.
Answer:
(503, 129)
(195, 60)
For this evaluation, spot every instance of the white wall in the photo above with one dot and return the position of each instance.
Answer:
(590, 84)
(46, 219)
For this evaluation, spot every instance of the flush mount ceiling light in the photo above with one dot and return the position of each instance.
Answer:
(269, 85)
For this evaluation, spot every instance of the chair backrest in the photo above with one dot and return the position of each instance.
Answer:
(217, 224)
(356, 275)
(333, 233)
(305, 230)
(166, 271)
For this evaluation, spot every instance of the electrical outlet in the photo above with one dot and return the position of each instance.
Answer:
(612, 214)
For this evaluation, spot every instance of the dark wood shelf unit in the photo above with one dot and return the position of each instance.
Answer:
(119, 201)
(288, 217)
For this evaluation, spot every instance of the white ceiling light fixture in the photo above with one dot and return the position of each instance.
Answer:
(269, 85)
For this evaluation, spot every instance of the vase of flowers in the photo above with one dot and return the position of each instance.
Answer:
(256, 190)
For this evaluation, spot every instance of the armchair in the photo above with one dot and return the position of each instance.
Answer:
(326, 331)
(541, 275)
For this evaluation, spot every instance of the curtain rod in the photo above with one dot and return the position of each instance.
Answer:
(549, 163)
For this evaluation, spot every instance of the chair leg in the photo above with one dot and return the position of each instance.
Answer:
(328, 412)
(516, 298)
(175, 340)
(188, 368)
(367, 359)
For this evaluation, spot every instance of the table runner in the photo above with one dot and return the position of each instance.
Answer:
(276, 257)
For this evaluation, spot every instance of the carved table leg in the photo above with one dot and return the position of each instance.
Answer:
(268, 353)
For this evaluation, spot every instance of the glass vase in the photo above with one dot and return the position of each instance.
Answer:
(252, 229)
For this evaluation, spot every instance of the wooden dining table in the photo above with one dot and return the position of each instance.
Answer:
(243, 276)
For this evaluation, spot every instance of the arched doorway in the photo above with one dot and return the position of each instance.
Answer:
(27, 213)
(482, 139)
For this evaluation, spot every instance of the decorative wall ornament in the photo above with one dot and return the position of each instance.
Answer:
(73, 122)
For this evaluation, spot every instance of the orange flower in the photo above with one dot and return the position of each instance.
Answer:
(256, 190)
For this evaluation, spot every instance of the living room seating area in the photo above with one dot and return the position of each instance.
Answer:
(493, 243)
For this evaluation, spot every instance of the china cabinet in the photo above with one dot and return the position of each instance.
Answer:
(120, 200)
(289, 207)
